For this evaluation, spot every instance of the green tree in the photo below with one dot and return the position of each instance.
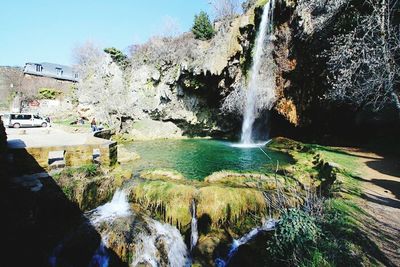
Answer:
(202, 27)
(117, 56)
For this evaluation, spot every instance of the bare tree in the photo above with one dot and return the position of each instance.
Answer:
(103, 85)
(170, 27)
(317, 14)
(224, 9)
(364, 62)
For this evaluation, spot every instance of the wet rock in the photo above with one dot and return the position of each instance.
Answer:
(125, 156)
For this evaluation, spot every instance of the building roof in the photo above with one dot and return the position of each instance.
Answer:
(50, 70)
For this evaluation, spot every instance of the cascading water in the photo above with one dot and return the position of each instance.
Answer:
(162, 239)
(118, 207)
(157, 244)
(194, 236)
(269, 225)
(261, 92)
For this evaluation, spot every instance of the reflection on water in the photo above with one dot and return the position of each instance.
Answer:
(198, 158)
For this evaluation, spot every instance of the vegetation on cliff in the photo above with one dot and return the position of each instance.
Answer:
(202, 27)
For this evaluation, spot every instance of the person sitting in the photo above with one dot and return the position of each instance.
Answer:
(93, 125)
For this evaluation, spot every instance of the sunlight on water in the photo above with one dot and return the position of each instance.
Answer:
(198, 158)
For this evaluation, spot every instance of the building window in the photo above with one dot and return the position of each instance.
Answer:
(38, 67)
(76, 76)
(59, 71)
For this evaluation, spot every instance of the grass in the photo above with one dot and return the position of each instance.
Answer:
(70, 122)
(343, 241)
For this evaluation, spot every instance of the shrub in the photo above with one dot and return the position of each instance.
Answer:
(202, 27)
(295, 238)
(48, 93)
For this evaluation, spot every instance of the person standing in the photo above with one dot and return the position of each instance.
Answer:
(93, 125)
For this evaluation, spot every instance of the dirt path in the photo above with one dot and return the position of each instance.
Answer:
(380, 182)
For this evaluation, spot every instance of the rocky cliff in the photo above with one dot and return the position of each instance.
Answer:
(304, 31)
(183, 83)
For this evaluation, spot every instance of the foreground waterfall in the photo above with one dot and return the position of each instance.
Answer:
(261, 92)
(118, 207)
(165, 238)
(269, 225)
(114, 234)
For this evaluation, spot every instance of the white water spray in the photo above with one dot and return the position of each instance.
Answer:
(261, 92)
(118, 207)
(194, 236)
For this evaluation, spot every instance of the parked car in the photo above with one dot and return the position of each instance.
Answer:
(17, 120)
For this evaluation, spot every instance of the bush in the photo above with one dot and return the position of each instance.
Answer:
(295, 238)
(48, 93)
(202, 28)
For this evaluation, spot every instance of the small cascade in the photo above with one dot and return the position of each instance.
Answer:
(194, 236)
(118, 207)
(101, 257)
(269, 225)
(163, 246)
(261, 92)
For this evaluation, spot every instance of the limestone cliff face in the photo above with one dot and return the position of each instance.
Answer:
(302, 36)
(183, 80)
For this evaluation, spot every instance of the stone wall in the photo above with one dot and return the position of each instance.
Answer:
(37, 158)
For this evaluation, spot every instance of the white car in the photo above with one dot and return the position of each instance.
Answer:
(17, 120)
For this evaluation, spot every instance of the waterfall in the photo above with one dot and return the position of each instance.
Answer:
(194, 236)
(163, 242)
(156, 244)
(260, 93)
(269, 225)
(118, 207)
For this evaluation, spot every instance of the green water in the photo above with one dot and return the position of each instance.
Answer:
(198, 158)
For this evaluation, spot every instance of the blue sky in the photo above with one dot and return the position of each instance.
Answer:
(48, 30)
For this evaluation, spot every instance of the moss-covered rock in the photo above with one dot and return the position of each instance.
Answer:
(89, 186)
(168, 201)
(125, 156)
(227, 204)
(251, 180)
(162, 174)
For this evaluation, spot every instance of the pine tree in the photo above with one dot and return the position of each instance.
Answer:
(202, 28)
